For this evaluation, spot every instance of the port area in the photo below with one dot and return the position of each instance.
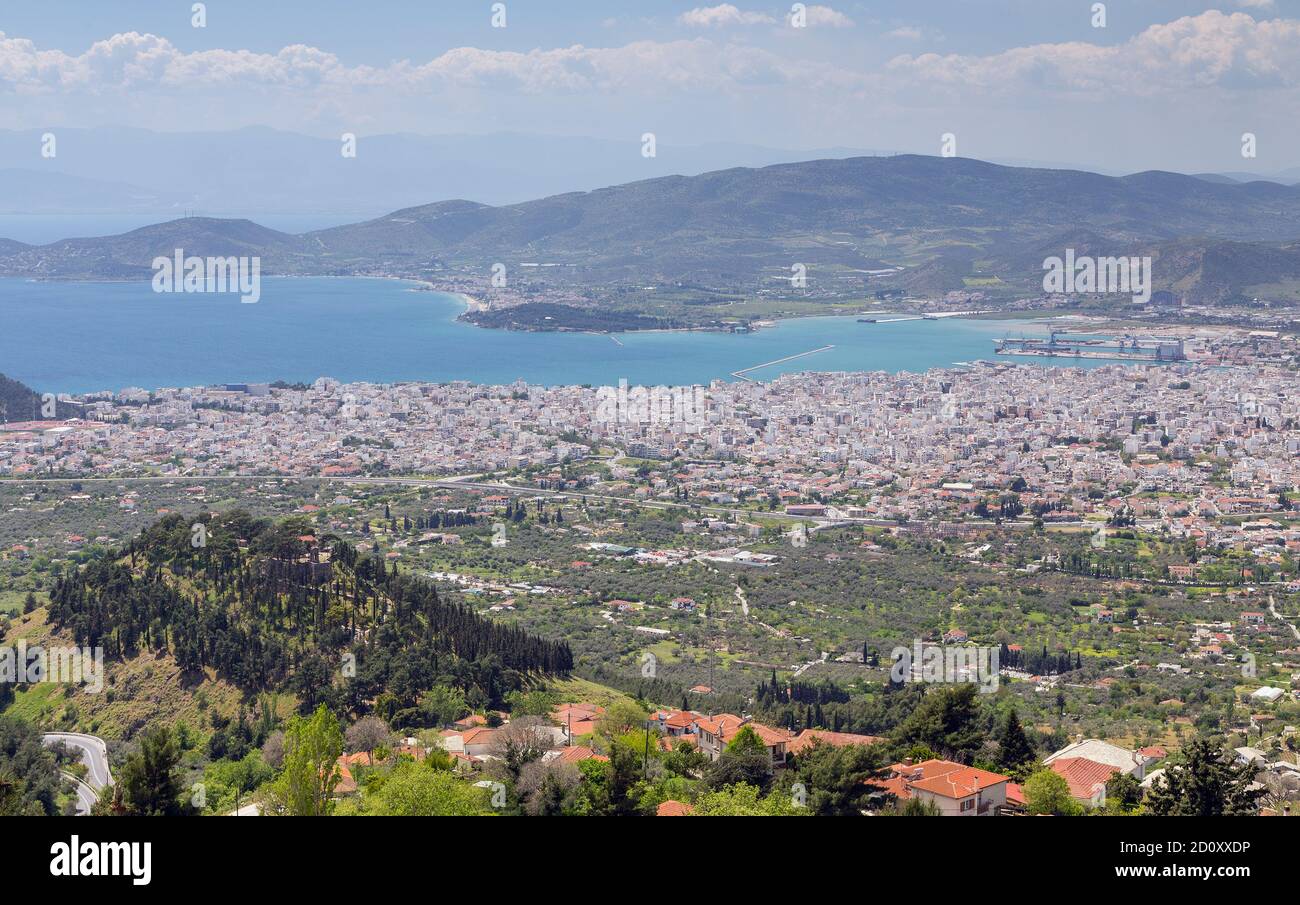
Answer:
(1120, 348)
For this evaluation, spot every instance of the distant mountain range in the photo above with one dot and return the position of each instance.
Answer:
(37, 191)
(943, 221)
(1285, 177)
(259, 171)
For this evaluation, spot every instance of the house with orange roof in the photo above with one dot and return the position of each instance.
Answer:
(452, 741)
(1015, 798)
(808, 737)
(1102, 752)
(716, 732)
(359, 759)
(674, 722)
(347, 765)
(346, 784)
(1086, 778)
(577, 720)
(477, 741)
(711, 729)
(955, 789)
(572, 754)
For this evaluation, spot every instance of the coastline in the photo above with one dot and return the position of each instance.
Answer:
(472, 304)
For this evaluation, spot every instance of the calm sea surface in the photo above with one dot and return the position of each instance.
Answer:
(81, 337)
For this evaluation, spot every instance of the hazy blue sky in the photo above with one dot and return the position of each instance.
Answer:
(1167, 83)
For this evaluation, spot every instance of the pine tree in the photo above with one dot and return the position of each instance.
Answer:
(1015, 748)
(151, 784)
(1207, 783)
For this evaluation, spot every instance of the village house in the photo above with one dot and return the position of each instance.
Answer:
(955, 789)
(715, 733)
(1121, 760)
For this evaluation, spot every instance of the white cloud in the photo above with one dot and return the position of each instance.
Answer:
(138, 61)
(1212, 73)
(722, 15)
(909, 32)
(1210, 49)
(819, 16)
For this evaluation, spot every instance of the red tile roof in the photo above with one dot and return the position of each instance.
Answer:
(575, 753)
(947, 779)
(672, 808)
(769, 736)
(959, 783)
(717, 725)
(1083, 775)
(346, 784)
(479, 735)
(807, 737)
(895, 785)
(677, 719)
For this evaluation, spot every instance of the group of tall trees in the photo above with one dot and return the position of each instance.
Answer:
(1006, 506)
(797, 705)
(1040, 663)
(795, 692)
(438, 519)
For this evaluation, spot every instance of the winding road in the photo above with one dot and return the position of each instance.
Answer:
(1272, 608)
(94, 754)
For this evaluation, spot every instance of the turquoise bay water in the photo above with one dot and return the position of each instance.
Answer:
(82, 337)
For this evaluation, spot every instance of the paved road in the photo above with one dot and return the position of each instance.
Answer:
(94, 754)
(1272, 608)
(86, 796)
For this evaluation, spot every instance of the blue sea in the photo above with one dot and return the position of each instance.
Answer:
(83, 337)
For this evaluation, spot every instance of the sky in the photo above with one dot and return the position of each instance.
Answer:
(1165, 84)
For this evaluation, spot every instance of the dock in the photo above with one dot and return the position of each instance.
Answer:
(767, 364)
(1062, 344)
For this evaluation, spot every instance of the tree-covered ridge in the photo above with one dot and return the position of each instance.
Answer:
(269, 606)
(19, 402)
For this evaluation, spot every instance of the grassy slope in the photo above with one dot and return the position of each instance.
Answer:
(146, 689)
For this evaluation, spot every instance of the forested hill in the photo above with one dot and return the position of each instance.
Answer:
(19, 402)
(270, 607)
